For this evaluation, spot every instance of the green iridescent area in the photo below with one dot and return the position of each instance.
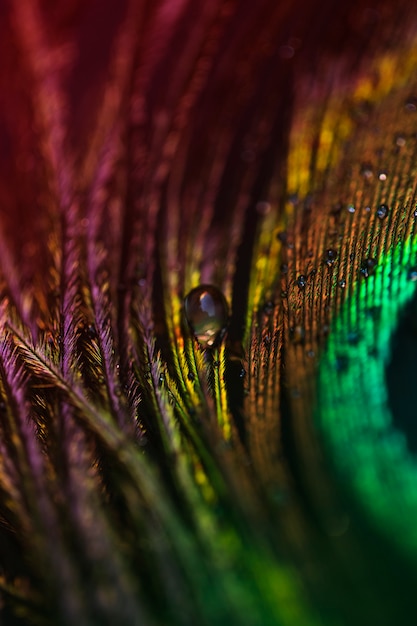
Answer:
(369, 454)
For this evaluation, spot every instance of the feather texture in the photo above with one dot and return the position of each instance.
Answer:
(266, 149)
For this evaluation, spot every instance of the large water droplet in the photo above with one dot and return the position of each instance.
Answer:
(206, 311)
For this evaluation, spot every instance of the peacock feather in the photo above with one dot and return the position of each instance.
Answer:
(208, 273)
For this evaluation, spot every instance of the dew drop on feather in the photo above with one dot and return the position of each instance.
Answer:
(206, 312)
(330, 257)
(382, 211)
(412, 274)
(368, 267)
(301, 281)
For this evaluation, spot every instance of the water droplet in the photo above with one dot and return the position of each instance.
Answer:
(367, 171)
(330, 257)
(353, 338)
(341, 363)
(412, 274)
(190, 377)
(415, 212)
(342, 283)
(286, 52)
(268, 307)
(297, 334)
(351, 208)
(91, 331)
(400, 141)
(368, 267)
(382, 211)
(242, 373)
(206, 311)
(263, 208)
(411, 104)
(301, 281)
(383, 175)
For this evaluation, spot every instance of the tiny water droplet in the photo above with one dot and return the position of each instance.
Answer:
(351, 208)
(330, 257)
(336, 209)
(383, 175)
(400, 141)
(267, 340)
(342, 283)
(415, 213)
(242, 373)
(373, 312)
(353, 338)
(412, 274)
(286, 52)
(263, 208)
(301, 281)
(368, 267)
(297, 334)
(341, 363)
(190, 377)
(91, 331)
(382, 211)
(411, 104)
(366, 171)
(206, 312)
